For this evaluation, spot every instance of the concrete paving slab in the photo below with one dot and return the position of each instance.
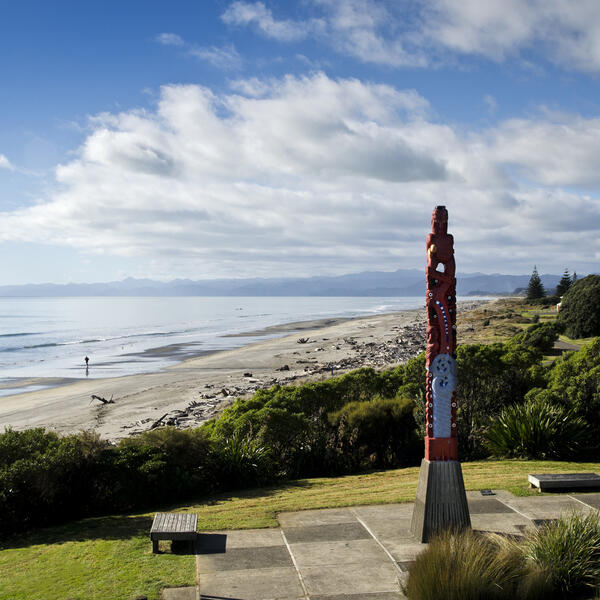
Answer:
(181, 593)
(390, 528)
(244, 538)
(508, 523)
(592, 500)
(306, 518)
(402, 549)
(487, 505)
(344, 579)
(236, 559)
(323, 533)
(385, 511)
(545, 507)
(336, 558)
(253, 584)
(314, 554)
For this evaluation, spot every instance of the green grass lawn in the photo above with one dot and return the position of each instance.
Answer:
(111, 557)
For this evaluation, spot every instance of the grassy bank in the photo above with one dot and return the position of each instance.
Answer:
(111, 558)
(499, 320)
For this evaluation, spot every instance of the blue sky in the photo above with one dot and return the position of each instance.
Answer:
(232, 139)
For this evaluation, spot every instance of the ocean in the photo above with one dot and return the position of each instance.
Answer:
(50, 337)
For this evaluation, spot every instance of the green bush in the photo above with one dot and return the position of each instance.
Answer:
(537, 429)
(540, 336)
(377, 433)
(580, 308)
(568, 551)
(574, 382)
(292, 421)
(15, 445)
(47, 479)
(490, 377)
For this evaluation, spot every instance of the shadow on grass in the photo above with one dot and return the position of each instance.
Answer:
(123, 527)
(260, 492)
(118, 527)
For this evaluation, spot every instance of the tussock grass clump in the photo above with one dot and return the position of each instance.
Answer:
(470, 566)
(568, 550)
(560, 560)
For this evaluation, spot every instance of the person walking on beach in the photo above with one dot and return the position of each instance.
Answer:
(87, 360)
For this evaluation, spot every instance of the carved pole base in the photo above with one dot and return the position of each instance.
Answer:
(441, 448)
(441, 501)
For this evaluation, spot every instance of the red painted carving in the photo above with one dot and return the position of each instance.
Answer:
(441, 326)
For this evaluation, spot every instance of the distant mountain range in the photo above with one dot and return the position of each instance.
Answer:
(403, 282)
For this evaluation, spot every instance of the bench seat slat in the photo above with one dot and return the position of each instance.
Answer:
(174, 526)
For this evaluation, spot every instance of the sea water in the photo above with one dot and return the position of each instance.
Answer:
(50, 337)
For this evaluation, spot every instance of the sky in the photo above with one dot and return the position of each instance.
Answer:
(210, 138)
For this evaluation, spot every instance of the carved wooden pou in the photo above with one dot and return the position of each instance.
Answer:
(440, 501)
(440, 438)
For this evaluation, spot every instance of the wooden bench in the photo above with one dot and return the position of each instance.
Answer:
(173, 526)
(565, 481)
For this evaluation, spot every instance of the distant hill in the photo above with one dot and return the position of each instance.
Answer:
(403, 282)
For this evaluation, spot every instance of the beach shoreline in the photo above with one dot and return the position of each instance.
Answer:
(199, 387)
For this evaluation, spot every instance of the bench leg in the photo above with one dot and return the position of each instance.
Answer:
(154, 546)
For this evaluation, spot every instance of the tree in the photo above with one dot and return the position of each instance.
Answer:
(564, 284)
(580, 308)
(535, 289)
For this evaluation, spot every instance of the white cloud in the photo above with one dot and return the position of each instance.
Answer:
(418, 34)
(568, 32)
(260, 181)
(367, 30)
(225, 58)
(491, 103)
(258, 15)
(553, 150)
(169, 39)
(5, 163)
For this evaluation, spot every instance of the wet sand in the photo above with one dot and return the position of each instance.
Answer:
(196, 389)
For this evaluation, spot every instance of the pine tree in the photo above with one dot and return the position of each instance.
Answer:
(574, 277)
(564, 284)
(535, 289)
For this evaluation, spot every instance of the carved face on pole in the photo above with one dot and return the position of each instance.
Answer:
(440, 439)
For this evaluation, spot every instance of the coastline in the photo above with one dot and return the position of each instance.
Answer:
(198, 388)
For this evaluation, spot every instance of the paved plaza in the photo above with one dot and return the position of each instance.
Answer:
(356, 553)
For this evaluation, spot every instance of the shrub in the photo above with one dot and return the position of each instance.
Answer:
(169, 463)
(292, 421)
(378, 433)
(15, 445)
(574, 382)
(540, 336)
(568, 551)
(536, 429)
(580, 308)
(490, 377)
(468, 566)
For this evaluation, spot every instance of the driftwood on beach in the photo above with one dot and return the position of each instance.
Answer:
(103, 400)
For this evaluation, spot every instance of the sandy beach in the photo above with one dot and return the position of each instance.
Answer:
(195, 390)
